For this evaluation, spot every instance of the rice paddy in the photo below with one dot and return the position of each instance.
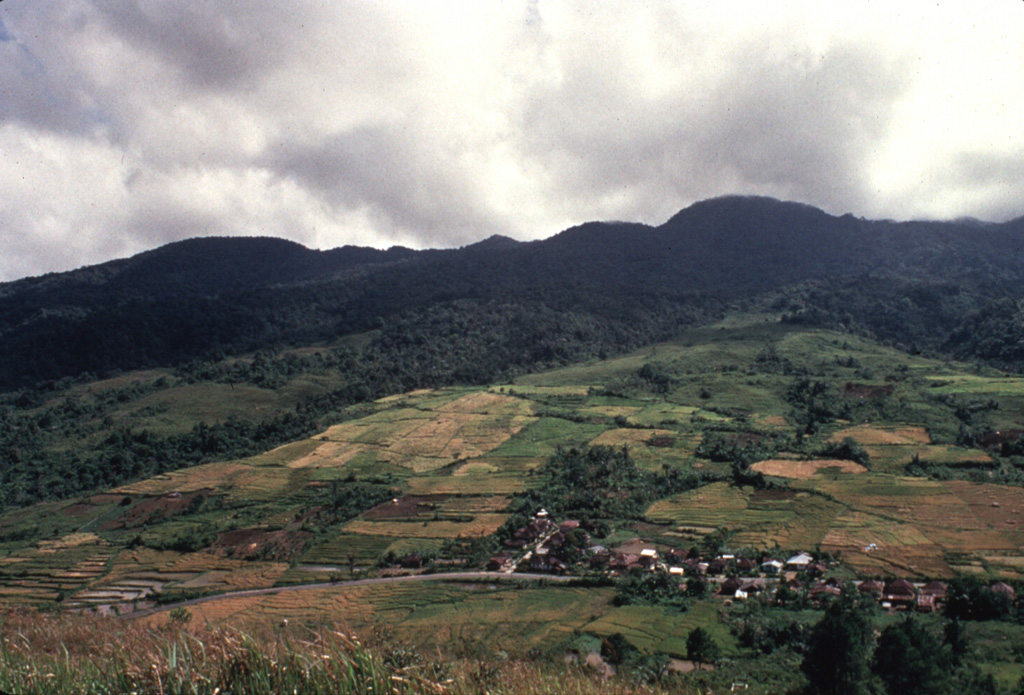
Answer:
(450, 463)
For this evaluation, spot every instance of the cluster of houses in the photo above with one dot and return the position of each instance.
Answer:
(541, 539)
(534, 548)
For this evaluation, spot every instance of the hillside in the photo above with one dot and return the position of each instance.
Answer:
(228, 434)
(631, 283)
(752, 438)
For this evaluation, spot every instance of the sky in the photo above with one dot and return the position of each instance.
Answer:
(129, 124)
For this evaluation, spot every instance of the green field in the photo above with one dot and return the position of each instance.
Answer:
(461, 460)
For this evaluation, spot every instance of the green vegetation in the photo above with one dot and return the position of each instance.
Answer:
(699, 444)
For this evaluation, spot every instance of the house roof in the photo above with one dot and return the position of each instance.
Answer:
(1003, 588)
(900, 587)
(935, 588)
(872, 585)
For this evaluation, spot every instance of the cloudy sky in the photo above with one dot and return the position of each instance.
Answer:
(127, 124)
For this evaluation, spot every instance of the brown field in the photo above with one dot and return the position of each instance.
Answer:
(405, 507)
(260, 575)
(72, 540)
(476, 504)
(467, 485)
(481, 525)
(868, 435)
(261, 543)
(128, 563)
(448, 437)
(485, 402)
(902, 548)
(211, 612)
(163, 506)
(194, 479)
(804, 470)
(630, 436)
(612, 410)
(377, 429)
(328, 454)
(999, 507)
(916, 524)
(475, 468)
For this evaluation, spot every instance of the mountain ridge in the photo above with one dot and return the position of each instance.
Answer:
(232, 295)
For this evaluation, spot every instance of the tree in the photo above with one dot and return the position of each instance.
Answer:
(841, 642)
(954, 637)
(910, 660)
(701, 647)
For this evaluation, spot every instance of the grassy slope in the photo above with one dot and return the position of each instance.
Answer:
(471, 448)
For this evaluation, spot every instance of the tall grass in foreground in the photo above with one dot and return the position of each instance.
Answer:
(70, 654)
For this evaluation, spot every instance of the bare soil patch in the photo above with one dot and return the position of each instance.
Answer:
(772, 496)
(406, 506)
(866, 391)
(260, 543)
(152, 508)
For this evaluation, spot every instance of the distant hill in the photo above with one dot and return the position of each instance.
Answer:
(604, 286)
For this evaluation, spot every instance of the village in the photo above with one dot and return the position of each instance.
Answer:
(539, 547)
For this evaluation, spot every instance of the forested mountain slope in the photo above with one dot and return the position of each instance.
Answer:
(625, 284)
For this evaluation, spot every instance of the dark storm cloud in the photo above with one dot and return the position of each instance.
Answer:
(797, 125)
(399, 178)
(214, 45)
(125, 124)
(990, 180)
(36, 91)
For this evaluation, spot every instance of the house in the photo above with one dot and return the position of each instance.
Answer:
(730, 586)
(771, 567)
(899, 594)
(824, 590)
(525, 535)
(624, 561)
(678, 556)
(648, 558)
(871, 586)
(931, 595)
(413, 561)
(555, 540)
(753, 586)
(799, 562)
(745, 565)
(816, 569)
(940, 590)
(542, 561)
(1004, 589)
(718, 566)
(496, 562)
(600, 558)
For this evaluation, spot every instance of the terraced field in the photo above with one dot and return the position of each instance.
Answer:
(433, 471)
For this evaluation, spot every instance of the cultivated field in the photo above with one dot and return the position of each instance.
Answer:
(437, 472)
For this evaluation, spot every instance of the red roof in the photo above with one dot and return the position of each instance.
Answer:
(900, 588)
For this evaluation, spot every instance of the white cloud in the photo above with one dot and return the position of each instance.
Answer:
(125, 125)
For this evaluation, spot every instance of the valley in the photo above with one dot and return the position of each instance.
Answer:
(750, 438)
